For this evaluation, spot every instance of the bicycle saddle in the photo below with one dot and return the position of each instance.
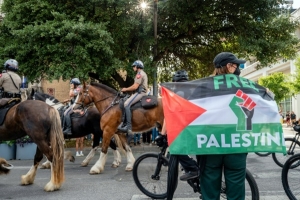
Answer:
(297, 128)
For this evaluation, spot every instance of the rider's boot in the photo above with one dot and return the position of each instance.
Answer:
(123, 120)
(67, 127)
(128, 127)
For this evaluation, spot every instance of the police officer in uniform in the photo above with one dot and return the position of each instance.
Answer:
(10, 81)
(74, 90)
(140, 87)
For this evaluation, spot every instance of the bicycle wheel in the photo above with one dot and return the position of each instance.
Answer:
(292, 148)
(143, 171)
(262, 154)
(251, 188)
(290, 177)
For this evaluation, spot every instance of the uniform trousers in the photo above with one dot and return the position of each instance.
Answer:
(234, 167)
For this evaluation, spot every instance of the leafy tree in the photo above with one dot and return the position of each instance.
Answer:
(296, 77)
(53, 38)
(279, 84)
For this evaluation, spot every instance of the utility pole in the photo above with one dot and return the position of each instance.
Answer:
(155, 48)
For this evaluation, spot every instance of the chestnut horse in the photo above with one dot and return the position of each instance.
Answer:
(82, 125)
(106, 101)
(42, 124)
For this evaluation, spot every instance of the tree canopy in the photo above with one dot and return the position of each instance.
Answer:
(279, 83)
(69, 38)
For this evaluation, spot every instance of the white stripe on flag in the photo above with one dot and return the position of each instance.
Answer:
(219, 112)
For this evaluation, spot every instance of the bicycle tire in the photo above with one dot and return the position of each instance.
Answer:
(280, 159)
(263, 154)
(253, 185)
(144, 167)
(290, 177)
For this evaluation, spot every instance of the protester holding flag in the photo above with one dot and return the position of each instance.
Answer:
(224, 118)
(189, 165)
(234, 165)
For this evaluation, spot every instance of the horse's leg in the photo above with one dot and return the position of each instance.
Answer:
(30, 176)
(117, 159)
(46, 164)
(99, 165)
(129, 155)
(117, 156)
(88, 158)
(69, 156)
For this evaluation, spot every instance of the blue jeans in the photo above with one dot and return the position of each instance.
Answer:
(137, 138)
(154, 134)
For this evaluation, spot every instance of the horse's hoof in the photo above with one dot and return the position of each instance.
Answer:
(50, 187)
(94, 173)
(129, 169)
(114, 166)
(72, 159)
(84, 164)
(45, 167)
(25, 180)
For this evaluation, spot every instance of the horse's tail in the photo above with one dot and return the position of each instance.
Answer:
(119, 143)
(57, 146)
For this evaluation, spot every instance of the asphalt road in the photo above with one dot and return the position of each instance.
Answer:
(117, 184)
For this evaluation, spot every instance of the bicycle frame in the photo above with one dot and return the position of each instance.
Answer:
(162, 160)
(293, 146)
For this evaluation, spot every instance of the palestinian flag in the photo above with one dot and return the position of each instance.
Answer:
(220, 115)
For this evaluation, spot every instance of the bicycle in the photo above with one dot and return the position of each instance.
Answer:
(292, 148)
(150, 174)
(263, 154)
(290, 177)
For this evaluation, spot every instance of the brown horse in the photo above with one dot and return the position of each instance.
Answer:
(106, 100)
(42, 124)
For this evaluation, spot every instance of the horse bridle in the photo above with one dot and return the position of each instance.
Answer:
(86, 94)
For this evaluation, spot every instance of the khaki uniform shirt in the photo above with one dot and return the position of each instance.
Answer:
(142, 79)
(7, 83)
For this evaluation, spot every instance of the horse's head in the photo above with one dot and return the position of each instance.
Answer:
(94, 93)
(83, 98)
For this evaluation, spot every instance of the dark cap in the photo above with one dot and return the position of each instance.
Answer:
(226, 57)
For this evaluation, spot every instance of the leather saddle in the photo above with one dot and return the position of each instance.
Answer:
(5, 105)
(146, 102)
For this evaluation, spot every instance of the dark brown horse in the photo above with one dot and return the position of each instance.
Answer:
(106, 101)
(82, 125)
(42, 124)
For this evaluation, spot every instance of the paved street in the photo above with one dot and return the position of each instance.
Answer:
(116, 184)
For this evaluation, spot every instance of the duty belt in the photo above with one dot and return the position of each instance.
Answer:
(10, 95)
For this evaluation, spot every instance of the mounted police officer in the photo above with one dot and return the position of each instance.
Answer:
(74, 90)
(10, 81)
(140, 89)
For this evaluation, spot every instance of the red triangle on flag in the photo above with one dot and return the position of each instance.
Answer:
(178, 113)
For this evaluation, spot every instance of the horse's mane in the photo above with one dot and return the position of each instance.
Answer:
(45, 96)
(104, 87)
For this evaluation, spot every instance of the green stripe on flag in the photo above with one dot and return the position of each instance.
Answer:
(225, 139)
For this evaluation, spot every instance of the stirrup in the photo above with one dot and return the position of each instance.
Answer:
(121, 127)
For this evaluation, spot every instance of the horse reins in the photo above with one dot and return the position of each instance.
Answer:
(114, 102)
